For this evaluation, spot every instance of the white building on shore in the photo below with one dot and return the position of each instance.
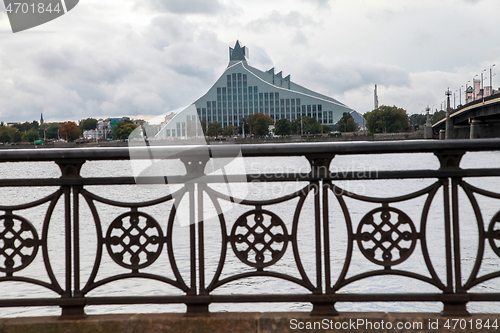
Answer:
(243, 90)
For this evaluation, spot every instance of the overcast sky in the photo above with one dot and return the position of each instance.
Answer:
(110, 58)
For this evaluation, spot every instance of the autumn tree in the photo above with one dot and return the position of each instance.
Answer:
(69, 131)
(386, 119)
(123, 129)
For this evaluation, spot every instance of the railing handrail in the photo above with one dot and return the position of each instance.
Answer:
(364, 235)
(252, 150)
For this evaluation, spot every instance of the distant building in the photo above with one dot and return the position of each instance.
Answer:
(359, 120)
(113, 121)
(102, 132)
(138, 122)
(243, 90)
(475, 92)
(181, 125)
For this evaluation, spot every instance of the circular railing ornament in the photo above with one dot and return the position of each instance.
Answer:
(388, 241)
(494, 233)
(134, 240)
(18, 243)
(259, 238)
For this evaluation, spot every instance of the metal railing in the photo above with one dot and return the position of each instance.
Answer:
(385, 242)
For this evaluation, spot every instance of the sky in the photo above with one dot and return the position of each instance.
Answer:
(142, 59)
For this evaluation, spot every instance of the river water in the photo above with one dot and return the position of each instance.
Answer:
(357, 209)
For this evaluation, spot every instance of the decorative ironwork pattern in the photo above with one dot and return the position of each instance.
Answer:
(393, 240)
(134, 240)
(259, 241)
(494, 233)
(18, 243)
(262, 238)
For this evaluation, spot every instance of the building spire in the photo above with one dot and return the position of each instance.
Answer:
(41, 118)
(238, 53)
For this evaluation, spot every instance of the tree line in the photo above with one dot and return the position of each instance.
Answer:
(384, 119)
(68, 131)
(257, 124)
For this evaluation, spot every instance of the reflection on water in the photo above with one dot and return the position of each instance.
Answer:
(286, 210)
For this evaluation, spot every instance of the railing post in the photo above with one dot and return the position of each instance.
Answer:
(320, 166)
(195, 167)
(72, 308)
(455, 299)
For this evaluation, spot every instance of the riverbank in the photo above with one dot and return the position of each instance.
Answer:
(290, 139)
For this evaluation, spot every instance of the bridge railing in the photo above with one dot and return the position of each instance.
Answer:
(264, 241)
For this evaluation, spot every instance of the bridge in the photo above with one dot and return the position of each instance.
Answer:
(102, 241)
(478, 119)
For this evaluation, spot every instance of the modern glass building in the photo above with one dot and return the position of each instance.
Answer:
(243, 90)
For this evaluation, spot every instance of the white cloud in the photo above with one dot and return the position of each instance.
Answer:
(117, 57)
(182, 6)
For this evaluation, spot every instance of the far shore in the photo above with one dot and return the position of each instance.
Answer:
(362, 136)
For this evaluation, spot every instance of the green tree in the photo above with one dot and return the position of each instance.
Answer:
(295, 126)
(123, 129)
(417, 119)
(310, 125)
(31, 135)
(203, 124)
(282, 127)
(244, 127)
(26, 126)
(326, 129)
(259, 124)
(17, 137)
(87, 124)
(437, 116)
(347, 123)
(305, 125)
(214, 129)
(230, 130)
(52, 130)
(7, 133)
(5, 136)
(386, 119)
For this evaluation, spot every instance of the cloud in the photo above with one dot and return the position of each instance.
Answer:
(107, 69)
(320, 3)
(182, 6)
(341, 76)
(107, 58)
(275, 19)
(300, 38)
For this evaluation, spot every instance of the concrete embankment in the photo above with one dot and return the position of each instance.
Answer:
(362, 136)
(254, 323)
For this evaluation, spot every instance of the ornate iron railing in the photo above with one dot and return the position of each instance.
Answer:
(259, 238)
